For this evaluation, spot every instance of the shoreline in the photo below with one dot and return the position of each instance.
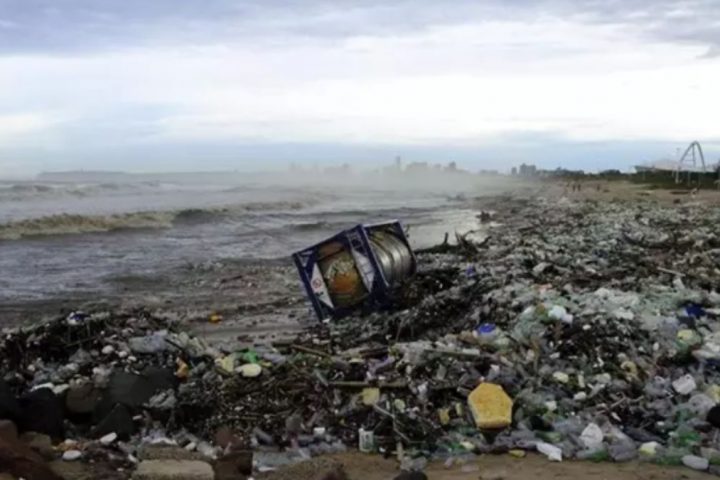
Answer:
(592, 273)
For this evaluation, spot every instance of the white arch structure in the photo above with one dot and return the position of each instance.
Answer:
(692, 153)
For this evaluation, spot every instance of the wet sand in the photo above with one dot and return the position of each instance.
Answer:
(360, 466)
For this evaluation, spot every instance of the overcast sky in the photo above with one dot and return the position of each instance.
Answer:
(213, 84)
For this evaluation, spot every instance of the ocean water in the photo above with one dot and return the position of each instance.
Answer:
(61, 237)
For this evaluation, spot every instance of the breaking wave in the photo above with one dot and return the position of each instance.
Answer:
(68, 224)
(30, 191)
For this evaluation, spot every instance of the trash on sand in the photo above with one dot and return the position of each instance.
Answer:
(633, 374)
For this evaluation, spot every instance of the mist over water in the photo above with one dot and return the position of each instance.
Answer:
(67, 234)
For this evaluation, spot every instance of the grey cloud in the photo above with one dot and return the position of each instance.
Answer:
(51, 26)
(686, 21)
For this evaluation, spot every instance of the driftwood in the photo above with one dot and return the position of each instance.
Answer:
(463, 246)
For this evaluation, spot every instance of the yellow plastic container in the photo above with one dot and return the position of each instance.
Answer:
(491, 407)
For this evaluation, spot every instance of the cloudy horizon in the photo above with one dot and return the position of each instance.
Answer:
(221, 84)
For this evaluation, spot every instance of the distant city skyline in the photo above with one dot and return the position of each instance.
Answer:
(176, 85)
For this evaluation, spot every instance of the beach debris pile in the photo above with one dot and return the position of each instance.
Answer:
(576, 330)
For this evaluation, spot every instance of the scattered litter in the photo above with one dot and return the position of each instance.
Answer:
(685, 384)
(631, 372)
(249, 370)
(553, 453)
(71, 455)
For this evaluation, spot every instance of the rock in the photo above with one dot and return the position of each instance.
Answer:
(119, 421)
(491, 407)
(695, 462)
(108, 349)
(109, 438)
(231, 466)
(39, 442)
(173, 470)
(42, 412)
(9, 406)
(561, 377)
(592, 437)
(553, 453)
(622, 451)
(134, 390)
(72, 455)
(713, 416)
(8, 430)
(21, 462)
(685, 384)
(82, 398)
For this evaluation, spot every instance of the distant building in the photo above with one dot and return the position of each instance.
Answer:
(528, 170)
(417, 167)
(343, 169)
